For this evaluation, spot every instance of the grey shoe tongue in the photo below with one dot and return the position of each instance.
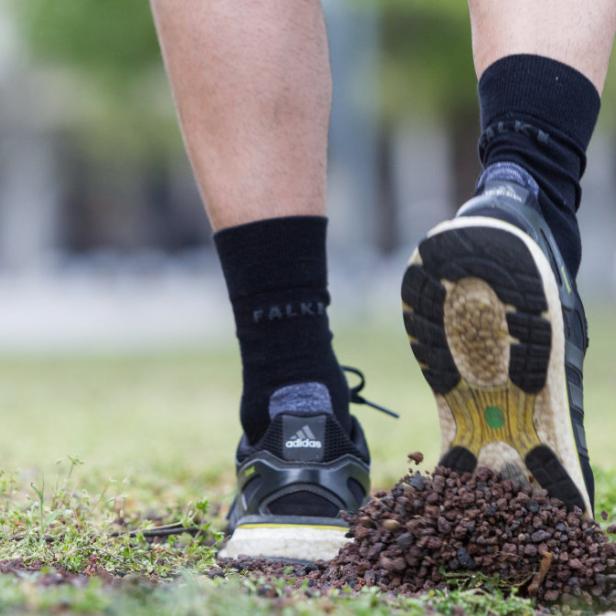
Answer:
(308, 398)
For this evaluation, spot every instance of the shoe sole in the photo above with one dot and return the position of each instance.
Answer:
(482, 311)
(292, 542)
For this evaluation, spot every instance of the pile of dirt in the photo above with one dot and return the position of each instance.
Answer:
(432, 528)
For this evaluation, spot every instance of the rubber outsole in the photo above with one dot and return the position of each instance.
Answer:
(481, 309)
(292, 542)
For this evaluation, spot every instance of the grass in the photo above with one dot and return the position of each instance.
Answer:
(156, 434)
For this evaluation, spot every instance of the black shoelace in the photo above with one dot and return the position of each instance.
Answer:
(357, 398)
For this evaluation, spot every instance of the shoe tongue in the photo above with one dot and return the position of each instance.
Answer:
(508, 172)
(304, 398)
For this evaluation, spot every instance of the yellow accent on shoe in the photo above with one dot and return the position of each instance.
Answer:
(471, 409)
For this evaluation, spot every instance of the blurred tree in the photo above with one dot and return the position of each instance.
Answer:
(112, 38)
(111, 47)
(427, 72)
(120, 162)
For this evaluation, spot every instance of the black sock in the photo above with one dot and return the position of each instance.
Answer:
(540, 114)
(276, 273)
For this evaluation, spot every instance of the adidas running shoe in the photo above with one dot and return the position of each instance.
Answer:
(496, 323)
(295, 482)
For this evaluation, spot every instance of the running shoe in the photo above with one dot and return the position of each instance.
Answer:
(295, 482)
(496, 323)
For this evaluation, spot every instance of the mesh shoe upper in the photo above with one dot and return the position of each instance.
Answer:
(305, 465)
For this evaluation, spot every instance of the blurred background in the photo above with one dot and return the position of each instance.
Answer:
(105, 251)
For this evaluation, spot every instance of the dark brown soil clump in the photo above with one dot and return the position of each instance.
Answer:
(433, 528)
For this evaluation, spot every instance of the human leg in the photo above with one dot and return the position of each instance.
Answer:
(253, 90)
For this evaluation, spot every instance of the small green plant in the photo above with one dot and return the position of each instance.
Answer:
(77, 531)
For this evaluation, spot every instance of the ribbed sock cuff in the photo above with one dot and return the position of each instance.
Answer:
(543, 88)
(276, 254)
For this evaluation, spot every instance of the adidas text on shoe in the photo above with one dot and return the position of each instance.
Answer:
(304, 438)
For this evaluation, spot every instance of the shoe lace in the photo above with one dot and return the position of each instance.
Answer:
(357, 398)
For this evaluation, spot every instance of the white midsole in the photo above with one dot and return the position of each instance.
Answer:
(553, 423)
(285, 541)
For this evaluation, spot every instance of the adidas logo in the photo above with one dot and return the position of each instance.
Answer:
(304, 438)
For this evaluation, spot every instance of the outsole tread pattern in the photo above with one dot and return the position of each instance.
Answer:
(550, 474)
(503, 262)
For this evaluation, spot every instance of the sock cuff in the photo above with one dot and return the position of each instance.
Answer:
(546, 89)
(276, 254)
